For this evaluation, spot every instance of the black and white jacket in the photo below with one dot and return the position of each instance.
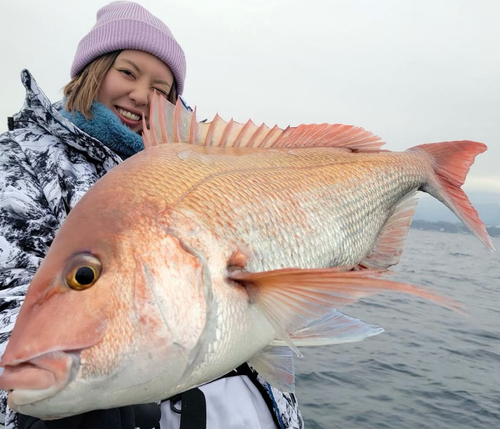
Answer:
(46, 165)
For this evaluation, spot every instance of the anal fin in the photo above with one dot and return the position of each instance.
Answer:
(390, 242)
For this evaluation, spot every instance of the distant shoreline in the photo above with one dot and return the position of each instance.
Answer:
(460, 228)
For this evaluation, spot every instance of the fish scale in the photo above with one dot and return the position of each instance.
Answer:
(329, 219)
(204, 257)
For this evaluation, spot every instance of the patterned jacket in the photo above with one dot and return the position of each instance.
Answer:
(46, 165)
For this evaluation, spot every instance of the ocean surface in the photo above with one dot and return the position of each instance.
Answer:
(432, 367)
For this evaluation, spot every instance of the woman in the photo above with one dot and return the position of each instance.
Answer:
(53, 153)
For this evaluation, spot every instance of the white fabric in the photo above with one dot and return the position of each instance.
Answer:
(232, 403)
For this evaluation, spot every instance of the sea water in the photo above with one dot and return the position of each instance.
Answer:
(432, 367)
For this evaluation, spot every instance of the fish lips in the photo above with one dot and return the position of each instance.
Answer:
(39, 378)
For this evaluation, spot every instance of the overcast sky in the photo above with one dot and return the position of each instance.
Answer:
(410, 71)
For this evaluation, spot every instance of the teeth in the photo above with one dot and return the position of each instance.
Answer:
(128, 114)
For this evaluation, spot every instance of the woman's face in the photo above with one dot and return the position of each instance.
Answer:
(129, 85)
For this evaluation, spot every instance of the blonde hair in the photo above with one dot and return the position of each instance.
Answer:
(84, 88)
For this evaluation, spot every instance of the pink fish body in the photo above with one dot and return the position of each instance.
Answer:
(187, 259)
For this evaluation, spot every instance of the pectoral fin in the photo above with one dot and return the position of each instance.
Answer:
(292, 298)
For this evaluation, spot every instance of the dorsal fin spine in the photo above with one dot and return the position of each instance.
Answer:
(281, 136)
(193, 128)
(145, 134)
(239, 140)
(270, 137)
(210, 131)
(225, 134)
(163, 127)
(152, 124)
(153, 117)
(253, 140)
(177, 114)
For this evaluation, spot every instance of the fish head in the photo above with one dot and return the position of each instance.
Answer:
(104, 319)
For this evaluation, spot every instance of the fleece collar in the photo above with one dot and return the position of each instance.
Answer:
(105, 126)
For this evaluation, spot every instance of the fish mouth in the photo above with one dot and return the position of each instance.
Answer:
(39, 378)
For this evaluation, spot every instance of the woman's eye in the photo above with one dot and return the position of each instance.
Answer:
(127, 72)
(165, 94)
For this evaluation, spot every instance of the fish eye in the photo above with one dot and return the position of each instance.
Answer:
(85, 275)
(82, 272)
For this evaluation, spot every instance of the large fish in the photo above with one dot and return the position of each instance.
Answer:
(236, 245)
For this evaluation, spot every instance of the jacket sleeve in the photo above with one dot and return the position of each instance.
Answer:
(27, 228)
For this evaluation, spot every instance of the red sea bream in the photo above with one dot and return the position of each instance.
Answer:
(228, 243)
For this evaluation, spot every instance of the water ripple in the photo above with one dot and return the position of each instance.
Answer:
(432, 368)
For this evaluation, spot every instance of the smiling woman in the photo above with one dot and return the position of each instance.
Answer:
(129, 83)
(129, 75)
(51, 155)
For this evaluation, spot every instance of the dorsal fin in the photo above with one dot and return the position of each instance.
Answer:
(169, 123)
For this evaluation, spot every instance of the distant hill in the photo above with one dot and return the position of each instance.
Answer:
(487, 205)
(494, 231)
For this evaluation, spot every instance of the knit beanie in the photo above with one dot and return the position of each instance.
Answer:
(126, 25)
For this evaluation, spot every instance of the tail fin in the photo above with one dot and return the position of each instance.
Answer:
(452, 161)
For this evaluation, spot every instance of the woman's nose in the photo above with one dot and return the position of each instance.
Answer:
(140, 95)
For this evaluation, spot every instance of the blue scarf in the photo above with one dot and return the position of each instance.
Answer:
(107, 128)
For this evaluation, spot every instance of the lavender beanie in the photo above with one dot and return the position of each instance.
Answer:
(126, 25)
